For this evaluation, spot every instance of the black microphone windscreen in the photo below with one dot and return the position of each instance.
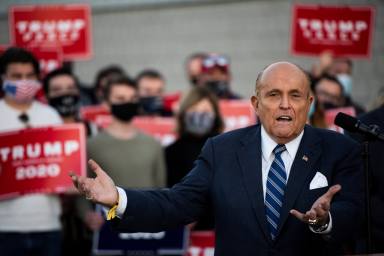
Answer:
(345, 121)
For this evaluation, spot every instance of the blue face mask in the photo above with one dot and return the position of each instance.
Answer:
(346, 82)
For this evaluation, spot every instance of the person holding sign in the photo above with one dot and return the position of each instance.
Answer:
(276, 188)
(29, 223)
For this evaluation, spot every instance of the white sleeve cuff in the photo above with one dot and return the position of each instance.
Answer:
(327, 230)
(121, 206)
(122, 202)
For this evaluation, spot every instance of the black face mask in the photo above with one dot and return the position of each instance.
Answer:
(152, 105)
(219, 88)
(125, 111)
(66, 105)
(329, 105)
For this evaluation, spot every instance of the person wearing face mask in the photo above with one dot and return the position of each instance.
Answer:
(135, 158)
(216, 76)
(329, 92)
(62, 91)
(342, 69)
(197, 120)
(193, 67)
(151, 87)
(31, 220)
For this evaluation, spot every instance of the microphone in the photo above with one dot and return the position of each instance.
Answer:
(352, 124)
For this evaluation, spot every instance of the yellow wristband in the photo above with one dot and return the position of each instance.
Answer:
(112, 212)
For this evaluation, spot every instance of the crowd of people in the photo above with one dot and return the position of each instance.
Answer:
(62, 224)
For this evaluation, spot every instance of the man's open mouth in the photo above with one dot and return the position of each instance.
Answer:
(284, 119)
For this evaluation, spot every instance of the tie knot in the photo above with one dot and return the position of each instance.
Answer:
(280, 148)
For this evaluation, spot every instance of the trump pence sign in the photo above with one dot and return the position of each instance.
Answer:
(67, 27)
(344, 30)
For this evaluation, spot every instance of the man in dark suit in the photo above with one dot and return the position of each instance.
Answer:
(279, 188)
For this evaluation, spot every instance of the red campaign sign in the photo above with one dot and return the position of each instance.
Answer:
(67, 27)
(97, 114)
(237, 114)
(3, 48)
(202, 243)
(49, 58)
(38, 160)
(161, 128)
(344, 30)
(330, 116)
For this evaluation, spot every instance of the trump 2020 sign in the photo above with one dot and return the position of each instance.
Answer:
(38, 160)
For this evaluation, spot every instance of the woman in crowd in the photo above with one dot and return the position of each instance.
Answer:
(198, 118)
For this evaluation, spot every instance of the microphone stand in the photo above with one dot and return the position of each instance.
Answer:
(375, 130)
(367, 194)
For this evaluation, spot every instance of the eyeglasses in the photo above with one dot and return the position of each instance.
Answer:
(24, 118)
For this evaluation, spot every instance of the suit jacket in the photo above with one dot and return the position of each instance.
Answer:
(227, 177)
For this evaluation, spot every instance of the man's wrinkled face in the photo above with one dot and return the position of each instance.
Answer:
(282, 101)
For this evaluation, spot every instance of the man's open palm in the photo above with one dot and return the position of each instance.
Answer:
(101, 190)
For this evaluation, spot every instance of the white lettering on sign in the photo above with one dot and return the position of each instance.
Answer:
(52, 148)
(194, 251)
(233, 122)
(145, 236)
(4, 153)
(198, 251)
(343, 30)
(70, 147)
(39, 171)
(51, 31)
(49, 64)
(18, 152)
(35, 150)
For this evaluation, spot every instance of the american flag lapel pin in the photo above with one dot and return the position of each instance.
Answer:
(305, 158)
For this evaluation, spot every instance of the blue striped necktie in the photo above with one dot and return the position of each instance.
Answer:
(274, 196)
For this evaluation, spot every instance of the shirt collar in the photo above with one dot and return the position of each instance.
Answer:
(268, 144)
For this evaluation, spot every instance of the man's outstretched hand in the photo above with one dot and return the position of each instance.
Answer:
(101, 190)
(319, 212)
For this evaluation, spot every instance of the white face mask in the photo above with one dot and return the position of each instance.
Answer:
(22, 91)
(346, 82)
(199, 123)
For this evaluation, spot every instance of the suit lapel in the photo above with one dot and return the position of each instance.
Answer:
(306, 157)
(249, 157)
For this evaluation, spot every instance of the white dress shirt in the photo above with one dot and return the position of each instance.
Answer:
(267, 147)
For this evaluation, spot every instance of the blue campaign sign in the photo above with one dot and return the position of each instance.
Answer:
(169, 242)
